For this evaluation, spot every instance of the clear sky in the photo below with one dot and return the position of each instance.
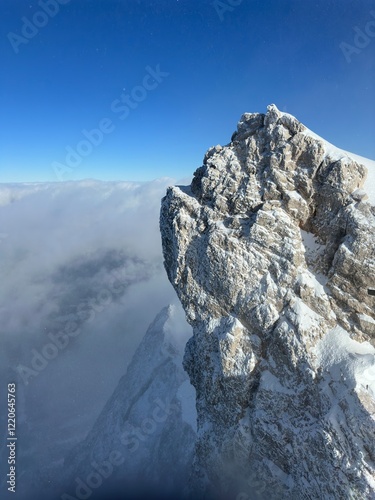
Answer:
(166, 79)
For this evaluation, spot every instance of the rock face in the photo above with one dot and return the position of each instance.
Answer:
(148, 425)
(271, 252)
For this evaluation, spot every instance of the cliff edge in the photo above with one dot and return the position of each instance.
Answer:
(271, 251)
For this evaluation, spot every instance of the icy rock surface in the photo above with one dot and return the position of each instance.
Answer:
(149, 421)
(271, 252)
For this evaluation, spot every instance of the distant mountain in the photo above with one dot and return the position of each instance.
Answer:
(149, 422)
(82, 277)
(271, 250)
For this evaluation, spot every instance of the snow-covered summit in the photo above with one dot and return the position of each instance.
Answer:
(337, 154)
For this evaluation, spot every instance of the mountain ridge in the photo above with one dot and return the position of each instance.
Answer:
(144, 419)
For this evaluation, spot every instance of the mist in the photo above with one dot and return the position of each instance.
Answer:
(82, 277)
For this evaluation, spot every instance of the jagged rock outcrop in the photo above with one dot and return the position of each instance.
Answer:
(271, 252)
(149, 423)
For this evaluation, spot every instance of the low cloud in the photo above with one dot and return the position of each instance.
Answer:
(90, 247)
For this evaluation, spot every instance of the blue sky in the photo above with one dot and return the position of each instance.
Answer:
(70, 74)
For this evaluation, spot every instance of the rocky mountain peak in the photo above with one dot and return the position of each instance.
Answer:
(271, 252)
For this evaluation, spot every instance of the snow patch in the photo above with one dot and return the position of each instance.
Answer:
(338, 354)
(306, 318)
(269, 382)
(365, 317)
(314, 251)
(308, 279)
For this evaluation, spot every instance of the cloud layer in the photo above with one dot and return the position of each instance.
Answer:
(82, 277)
